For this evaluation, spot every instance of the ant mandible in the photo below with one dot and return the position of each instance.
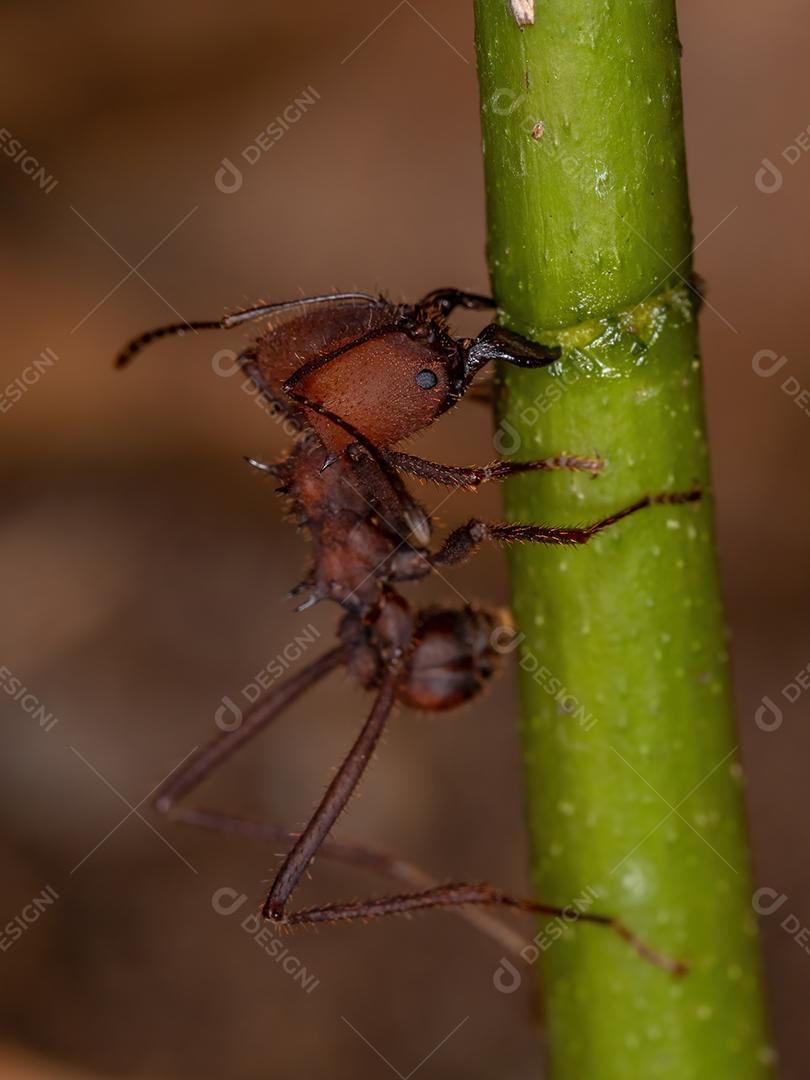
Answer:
(355, 374)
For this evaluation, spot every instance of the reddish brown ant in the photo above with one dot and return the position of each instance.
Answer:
(356, 374)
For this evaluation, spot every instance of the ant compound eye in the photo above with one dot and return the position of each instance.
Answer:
(427, 379)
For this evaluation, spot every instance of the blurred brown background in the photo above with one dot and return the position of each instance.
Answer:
(143, 567)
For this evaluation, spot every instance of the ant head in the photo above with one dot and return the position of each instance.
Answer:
(404, 376)
(378, 370)
(390, 386)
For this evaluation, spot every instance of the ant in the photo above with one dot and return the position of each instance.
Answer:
(355, 374)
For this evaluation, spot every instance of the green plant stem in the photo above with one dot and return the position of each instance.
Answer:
(633, 784)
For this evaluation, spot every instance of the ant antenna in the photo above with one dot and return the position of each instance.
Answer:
(143, 340)
(235, 318)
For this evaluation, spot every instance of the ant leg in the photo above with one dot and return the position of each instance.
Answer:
(207, 758)
(462, 542)
(334, 800)
(223, 746)
(453, 895)
(473, 475)
(353, 854)
(444, 300)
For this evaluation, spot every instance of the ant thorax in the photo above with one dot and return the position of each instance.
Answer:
(358, 516)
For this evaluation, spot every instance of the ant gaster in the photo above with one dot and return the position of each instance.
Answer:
(356, 374)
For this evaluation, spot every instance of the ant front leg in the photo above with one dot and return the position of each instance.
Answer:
(472, 476)
(464, 541)
(443, 301)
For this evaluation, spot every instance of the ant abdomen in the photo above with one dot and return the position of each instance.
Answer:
(454, 653)
(454, 657)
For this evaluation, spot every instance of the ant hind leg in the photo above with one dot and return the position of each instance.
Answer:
(457, 894)
(350, 853)
(464, 541)
(334, 800)
(209, 757)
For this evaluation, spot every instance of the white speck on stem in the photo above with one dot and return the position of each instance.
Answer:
(523, 11)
